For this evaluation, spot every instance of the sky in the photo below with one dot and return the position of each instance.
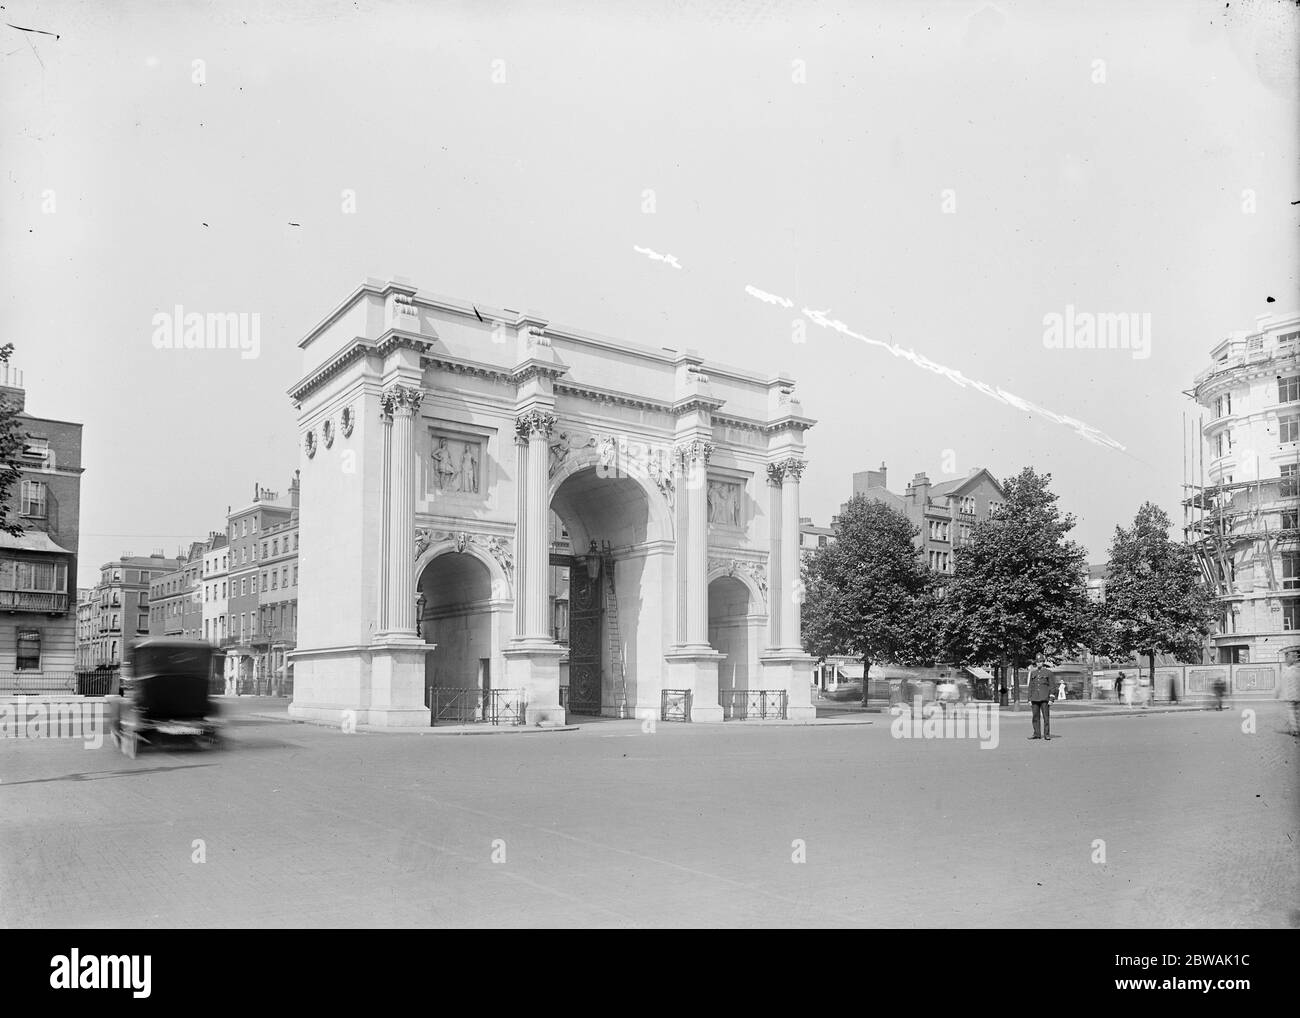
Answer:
(939, 176)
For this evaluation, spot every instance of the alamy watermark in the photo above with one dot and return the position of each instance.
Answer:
(1083, 330)
(37, 718)
(230, 330)
(951, 721)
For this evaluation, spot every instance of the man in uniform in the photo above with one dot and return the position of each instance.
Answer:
(1040, 695)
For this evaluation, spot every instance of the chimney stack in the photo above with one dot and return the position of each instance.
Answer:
(11, 388)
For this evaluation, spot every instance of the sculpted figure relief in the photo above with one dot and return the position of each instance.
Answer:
(455, 467)
(724, 503)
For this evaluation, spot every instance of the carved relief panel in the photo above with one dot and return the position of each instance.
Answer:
(454, 465)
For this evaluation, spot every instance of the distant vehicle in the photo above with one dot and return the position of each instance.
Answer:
(166, 696)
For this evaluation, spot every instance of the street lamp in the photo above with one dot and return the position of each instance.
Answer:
(592, 561)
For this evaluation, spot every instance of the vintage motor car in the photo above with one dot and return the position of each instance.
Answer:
(166, 696)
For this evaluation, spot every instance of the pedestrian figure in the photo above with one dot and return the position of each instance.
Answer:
(946, 692)
(1060, 692)
(1119, 685)
(1173, 689)
(1040, 694)
(1220, 690)
(1289, 687)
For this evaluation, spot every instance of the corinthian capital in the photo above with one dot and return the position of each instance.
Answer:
(535, 421)
(793, 468)
(697, 450)
(402, 398)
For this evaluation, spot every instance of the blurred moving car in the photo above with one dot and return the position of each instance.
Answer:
(165, 696)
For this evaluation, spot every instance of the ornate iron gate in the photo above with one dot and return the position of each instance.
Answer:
(586, 606)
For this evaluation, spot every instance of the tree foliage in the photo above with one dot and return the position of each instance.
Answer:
(1020, 585)
(1155, 600)
(867, 593)
(12, 439)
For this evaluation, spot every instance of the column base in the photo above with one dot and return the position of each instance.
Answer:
(397, 683)
(533, 665)
(696, 668)
(791, 670)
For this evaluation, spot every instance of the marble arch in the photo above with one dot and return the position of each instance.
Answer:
(457, 429)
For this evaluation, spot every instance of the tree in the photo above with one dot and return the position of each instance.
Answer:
(867, 593)
(1019, 587)
(12, 439)
(1155, 600)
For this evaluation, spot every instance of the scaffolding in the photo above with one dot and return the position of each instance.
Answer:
(1226, 523)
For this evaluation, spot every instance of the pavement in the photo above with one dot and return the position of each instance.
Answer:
(1184, 819)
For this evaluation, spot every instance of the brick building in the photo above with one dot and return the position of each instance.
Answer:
(256, 654)
(38, 568)
(945, 512)
(121, 606)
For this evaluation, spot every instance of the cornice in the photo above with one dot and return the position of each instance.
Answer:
(789, 422)
(478, 369)
(533, 368)
(697, 401)
(359, 349)
(596, 394)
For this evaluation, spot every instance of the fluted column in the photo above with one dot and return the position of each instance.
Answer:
(401, 403)
(776, 541)
(536, 426)
(695, 467)
(385, 537)
(791, 602)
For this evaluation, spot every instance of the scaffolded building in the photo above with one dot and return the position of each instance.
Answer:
(1242, 484)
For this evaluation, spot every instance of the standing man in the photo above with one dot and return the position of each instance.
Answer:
(1289, 688)
(1040, 695)
(1119, 686)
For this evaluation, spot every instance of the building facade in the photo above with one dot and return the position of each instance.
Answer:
(248, 645)
(813, 537)
(122, 609)
(439, 436)
(945, 512)
(1244, 492)
(38, 568)
(278, 599)
(86, 615)
(216, 588)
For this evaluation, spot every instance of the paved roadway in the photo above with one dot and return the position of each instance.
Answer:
(689, 826)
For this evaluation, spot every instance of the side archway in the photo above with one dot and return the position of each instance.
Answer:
(466, 611)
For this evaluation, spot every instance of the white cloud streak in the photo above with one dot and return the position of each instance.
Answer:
(999, 394)
(656, 256)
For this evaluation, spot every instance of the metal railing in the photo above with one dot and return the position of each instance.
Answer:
(466, 706)
(739, 704)
(96, 683)
(675, 705)
(33, 601)
(37, 682)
